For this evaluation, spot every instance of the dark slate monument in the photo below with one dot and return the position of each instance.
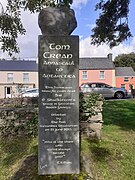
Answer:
(58, 101)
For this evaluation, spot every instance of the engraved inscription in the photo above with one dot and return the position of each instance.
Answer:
(58, 105)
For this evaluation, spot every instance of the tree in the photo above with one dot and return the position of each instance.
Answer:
(10, 19)
(111, 26)
(125, 60)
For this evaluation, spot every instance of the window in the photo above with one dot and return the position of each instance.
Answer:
(84, 75)
(122, 85)
(25, 77)
(102, 75)
(10, 77)
(100, 85)
(93, 85)
(126, 79)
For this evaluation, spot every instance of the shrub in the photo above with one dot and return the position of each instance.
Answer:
(89, 105)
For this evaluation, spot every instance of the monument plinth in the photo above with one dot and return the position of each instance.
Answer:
(58, 104)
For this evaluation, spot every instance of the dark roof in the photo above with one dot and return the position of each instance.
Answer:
(125, 71)
(84, 63)
(95, 63)
(16, 65)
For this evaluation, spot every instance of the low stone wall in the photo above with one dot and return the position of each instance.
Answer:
(93, 125)
(18, 121)
(19, 102)
(22, 118)
(18, 116)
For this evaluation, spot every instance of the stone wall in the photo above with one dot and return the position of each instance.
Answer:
(20, 115)
(93, 125)
(17, 121)
(19, 102)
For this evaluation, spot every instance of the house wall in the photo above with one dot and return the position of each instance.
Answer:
(17, 80)
(120, 81)
(94, 76)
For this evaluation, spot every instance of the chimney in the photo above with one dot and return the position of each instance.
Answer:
(109, 56)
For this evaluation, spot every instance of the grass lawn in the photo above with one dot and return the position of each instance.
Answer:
(111, 158)
(114, 156)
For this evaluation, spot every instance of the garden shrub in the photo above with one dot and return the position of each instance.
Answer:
(89, 105)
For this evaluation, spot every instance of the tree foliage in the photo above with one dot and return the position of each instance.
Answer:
(112, 25)
(10, 20)
(125, 60)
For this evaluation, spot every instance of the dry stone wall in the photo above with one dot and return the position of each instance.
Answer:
(92, 127)
(20, 116)
(18, 121)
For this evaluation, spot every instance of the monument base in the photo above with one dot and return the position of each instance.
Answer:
(58, 105)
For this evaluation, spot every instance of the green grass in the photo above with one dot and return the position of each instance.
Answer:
(13, 151)
(112, 158)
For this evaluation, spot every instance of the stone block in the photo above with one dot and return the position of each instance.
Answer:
(95, 118)
(57, 21)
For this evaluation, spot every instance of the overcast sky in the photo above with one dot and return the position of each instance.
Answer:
(86, 16)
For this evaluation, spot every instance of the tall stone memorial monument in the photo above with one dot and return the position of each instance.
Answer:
(58, 92)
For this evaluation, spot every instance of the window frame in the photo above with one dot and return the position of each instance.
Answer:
(84, 75)
(123, 85)
(25, 78)
(10, 77)
(126, 79)
(102, 75)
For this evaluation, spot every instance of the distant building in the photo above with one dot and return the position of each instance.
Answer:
(17, 75)
(125, 77)
(21, 74)
(100, 69)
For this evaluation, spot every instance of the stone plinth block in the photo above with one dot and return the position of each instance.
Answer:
(96, 118)
(91, 126)
(58, 105)
(57, 21)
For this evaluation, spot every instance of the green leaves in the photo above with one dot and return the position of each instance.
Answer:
(10, 26)
(112, 25)
(10, 20)
(125, 60)
(88, 105)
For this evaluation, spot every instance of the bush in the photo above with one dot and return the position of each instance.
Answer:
(89, 105)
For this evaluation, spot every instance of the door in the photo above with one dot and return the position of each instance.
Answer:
(8, 92)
